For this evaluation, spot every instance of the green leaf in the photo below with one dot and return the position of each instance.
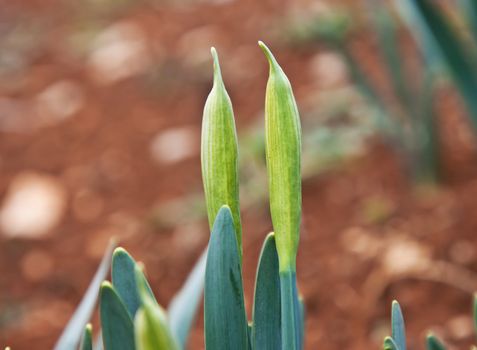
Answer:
(124, 280)
(283, 153)
(71, 336)
(219, 153)
(266, 332)
(225, 320)
(397, 326)
(87, 341)
(390, 344)
(433, 343)
(117, 325)
(438, 34)
(184, 305)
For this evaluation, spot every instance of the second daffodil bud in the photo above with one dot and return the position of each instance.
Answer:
(283, 152)
(219, 153)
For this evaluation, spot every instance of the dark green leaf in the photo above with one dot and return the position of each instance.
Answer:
(433, 343)
(266, 332)
(87, 341)
(117, 325)
(225, 319)
(397, 326)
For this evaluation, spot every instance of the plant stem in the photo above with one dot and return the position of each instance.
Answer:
(290, 311)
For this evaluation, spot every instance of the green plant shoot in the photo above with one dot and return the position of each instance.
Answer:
(219, 153)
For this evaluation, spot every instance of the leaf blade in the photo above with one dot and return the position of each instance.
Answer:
(117, 325)
(225, 321)
(266, 329)
(397, 325)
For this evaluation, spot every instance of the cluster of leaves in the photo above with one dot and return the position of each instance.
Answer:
(397, 340)
(130, 316)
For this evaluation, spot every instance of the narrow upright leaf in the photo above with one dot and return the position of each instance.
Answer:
(437, 33)
(71, 336)
(124, 280)
(184, 305)
(219, 153)
(224, 312)
(117, 325)
(433, 343)
(397, 326)
(87, 341)
(266, 331)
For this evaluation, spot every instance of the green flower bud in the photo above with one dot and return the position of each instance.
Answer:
(219, 153)
(283, 150)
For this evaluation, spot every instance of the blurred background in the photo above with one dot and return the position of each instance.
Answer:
(100, 112)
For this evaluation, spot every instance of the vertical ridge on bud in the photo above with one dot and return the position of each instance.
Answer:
(219, 153)
(283, 153)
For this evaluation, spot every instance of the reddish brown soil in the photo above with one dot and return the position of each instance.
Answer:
(105, 149)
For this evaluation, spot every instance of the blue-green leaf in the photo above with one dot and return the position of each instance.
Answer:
(266, 333)
(224, 311)
(87, 341)
(290, 311)
(433, 343)
(71, 336)
(124, 280)
(184, 305)
(397, 326)
(117, 324)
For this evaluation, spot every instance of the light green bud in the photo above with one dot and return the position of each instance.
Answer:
(219, 153)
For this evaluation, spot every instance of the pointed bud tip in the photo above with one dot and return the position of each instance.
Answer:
(268, 54)
(217, 72)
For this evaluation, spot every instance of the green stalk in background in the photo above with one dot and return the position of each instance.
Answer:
(283, 152)
(219, 153)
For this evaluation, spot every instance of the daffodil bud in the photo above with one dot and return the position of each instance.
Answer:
(283, 151)
(219, 153)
